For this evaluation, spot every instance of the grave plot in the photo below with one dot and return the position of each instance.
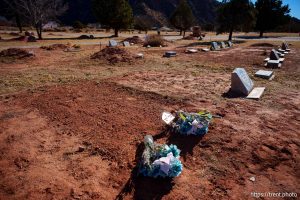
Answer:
(86, 139)
(114, 55)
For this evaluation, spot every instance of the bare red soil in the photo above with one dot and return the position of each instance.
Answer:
(82, 139)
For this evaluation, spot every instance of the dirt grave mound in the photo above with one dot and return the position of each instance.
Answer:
(55, 47)
(21, 38)
(262, 45)
(16, 53)
(189, 37)
(113, 55)
(134, 40)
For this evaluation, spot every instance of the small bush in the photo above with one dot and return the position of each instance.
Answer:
(154, 41)
(78, 25)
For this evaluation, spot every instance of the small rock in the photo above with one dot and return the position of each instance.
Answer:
(81, 149)
(252, 178)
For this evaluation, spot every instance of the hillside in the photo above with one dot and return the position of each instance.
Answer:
(157, 10)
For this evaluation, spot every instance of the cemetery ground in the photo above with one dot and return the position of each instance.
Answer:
(72, 127)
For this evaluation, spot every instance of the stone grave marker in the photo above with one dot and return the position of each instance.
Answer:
(169, 54)
(264, 74)
(126, 44)
(215, 46)
(140, 55)
(229, 43)
(285, 46)
(241, 82)
(191, 51)
(274, 55)
(223, 46)
(112, 43)
(256, 93)
(273, 64)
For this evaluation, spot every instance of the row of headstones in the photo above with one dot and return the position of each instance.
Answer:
(223, 45)
(242, 84)
(113, 43)
(214, 46)
(277, 56)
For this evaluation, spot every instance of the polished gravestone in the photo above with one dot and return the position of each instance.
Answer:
(126, 44)
(112, 43)
(215, 46)
(169, 54)
(274, 61)
(275, 56)
(240, 82)
(229, 43)
(223, 46)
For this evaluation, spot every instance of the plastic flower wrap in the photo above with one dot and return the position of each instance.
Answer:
(192, 123)
(160, 160)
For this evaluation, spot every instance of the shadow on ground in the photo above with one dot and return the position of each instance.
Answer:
(145, 187)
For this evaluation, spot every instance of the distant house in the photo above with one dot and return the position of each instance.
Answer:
(51, 25)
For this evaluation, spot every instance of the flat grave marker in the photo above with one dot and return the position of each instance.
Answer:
(265, 74)
(256, 93)
(273, 64)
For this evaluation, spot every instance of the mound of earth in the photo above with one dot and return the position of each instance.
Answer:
(16, 53)
(113, 55)
(134, 40)
(55, 47)
(21, 38)
(189, 37)
(86, 37)
(262, 45)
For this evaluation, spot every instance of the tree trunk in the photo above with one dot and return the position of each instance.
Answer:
(230, 34)
(18, 22)
(261, 33)
(39, 31)
(180, 33)
(116, 32)
(183, 33)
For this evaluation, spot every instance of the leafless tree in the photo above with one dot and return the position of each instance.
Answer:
(12, 8)
(39, 12)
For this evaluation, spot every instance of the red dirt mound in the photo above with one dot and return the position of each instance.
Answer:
(189, 37)
(134, 40)
(16, 53)
(113, 55)
(55, 47)
(21, 38)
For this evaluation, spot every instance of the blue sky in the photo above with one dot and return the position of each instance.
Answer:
(294, 6)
